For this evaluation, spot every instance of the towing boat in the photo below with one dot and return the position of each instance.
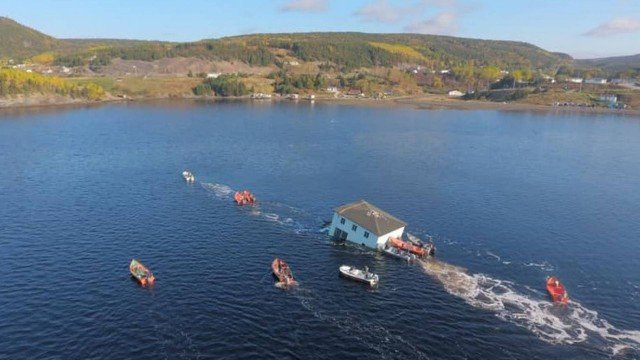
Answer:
(429, 246)
(282, 272)
(400, 254)
(557, 291)
(244, 198)
(421, 251)
(360, 275)
(141, 273)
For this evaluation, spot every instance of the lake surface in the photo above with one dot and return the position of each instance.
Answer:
(509, 198)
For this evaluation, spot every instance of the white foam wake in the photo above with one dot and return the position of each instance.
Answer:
(530, 309)
(369, 333)
(267, 210)
(219, 190)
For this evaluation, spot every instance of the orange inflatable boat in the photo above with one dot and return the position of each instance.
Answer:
(244, 198)
(557, 291)
(403, 245)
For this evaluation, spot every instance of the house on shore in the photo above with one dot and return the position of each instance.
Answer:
(596, 81)
(456, 93)
(365, 224)
(355, 92)
(610, 99)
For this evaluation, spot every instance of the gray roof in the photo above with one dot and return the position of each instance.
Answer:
(370, 217)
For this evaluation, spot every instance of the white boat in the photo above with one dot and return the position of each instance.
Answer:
(364, 276)
(400, 254)
(188, 176)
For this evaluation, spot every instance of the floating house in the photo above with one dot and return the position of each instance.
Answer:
(365, 224)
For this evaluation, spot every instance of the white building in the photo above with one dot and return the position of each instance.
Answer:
(365, 224)
(575, 80)
(611, 99)
(213, 75)
(598, 81)
(456, 93)
(332, 89)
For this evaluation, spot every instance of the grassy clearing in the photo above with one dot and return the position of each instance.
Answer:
(549, 97)
(143, 86)
(399, 49)
(259, 84)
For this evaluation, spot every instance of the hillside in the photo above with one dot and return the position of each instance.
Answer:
(374, 65)
(364, 50)
(612, 65)
(344, 51)
(19, 41)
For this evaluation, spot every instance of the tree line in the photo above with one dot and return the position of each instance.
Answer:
(17, 82)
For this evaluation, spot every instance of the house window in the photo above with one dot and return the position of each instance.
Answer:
(366, 234)
(342, 221)
(354, 228)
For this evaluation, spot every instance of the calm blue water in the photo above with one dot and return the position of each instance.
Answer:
(509, 198)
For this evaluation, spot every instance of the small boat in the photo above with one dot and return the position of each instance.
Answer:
(282, 272)
(429, 246)
(244, 198)
(359, 275)
(406, 246)
(141, 273)
(557, 291)
(188, 176)
(400, 254)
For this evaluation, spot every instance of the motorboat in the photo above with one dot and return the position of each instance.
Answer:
(557, 291)
(141, 273)
(282, 272)
(244, 198)
(429, 246)
(360, 275)
(420, 251)
(188, 176)
(400, 254)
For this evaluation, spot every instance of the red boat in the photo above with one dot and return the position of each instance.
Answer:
(244, 198)
(282, 271)
(403, 245)
(557, 291)
(141, 273)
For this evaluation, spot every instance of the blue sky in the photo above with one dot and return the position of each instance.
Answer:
(582, 28)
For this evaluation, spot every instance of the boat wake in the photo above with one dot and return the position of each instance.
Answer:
(221, 191)
(523, 306)
(268, 210)
(371, 334)
(530, 309)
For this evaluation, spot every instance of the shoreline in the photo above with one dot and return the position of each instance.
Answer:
(422, 102)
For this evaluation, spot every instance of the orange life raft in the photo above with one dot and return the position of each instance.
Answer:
(557, 291)
(244, 198)
(403, 245)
